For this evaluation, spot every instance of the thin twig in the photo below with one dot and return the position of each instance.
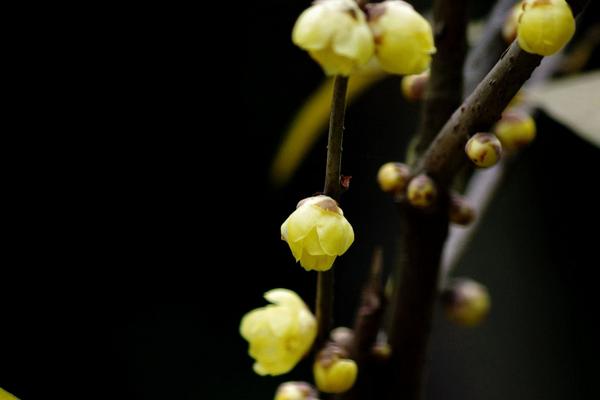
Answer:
(333, 189)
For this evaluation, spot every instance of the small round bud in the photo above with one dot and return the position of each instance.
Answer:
(382, 350)
(296, 391)
(403, 38)
(461, 213)
(413, 86)
(393, 177)
(515, 130)
(466, 302)
(342, 337)
(484, 149)
(422, 192)
(509, 29)
(335, 34)
(333, 372)
(545, 26)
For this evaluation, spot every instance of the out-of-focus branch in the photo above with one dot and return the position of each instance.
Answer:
(444, 89)
(366, 327)
(423, 234)
(485, 53)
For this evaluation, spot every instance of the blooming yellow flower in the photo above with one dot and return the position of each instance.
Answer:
(335, 34)
(545, 26)
(317, 232)
(403, 38)
(280, 333)
(335, 376)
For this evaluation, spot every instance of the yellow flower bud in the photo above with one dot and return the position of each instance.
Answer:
(422, 192)
(466, 302)
(279, 334)
(334, 374)
(296, 391)
(413, 86)
(484, 149)
(545, 26)
(393, 177)
(317, 232)
(515, 130)
(335, 34)
(403, 38)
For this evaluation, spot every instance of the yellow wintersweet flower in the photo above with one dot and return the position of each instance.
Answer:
(545, 26)
(317, 232)
(4, 395)
(403, 38)
(279, 334)
(335, 34)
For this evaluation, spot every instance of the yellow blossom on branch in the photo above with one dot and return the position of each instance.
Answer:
(317, 232)
(335, 34)
(279, 334)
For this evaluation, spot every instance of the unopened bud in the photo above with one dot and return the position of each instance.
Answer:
(296, 391)
(413, 86)
(422, 191)
(461, 213)
(333, 372)
(484, 149)
(545, 26)
(393, 177)
(515, 130)
(466, 302)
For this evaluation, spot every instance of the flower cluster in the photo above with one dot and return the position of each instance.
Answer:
(341, 37)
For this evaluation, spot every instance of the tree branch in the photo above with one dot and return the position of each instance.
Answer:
(444, 89)
(333, 189)
(481, 109)
(424, 233)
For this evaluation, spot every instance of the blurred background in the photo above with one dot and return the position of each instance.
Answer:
(173, 234)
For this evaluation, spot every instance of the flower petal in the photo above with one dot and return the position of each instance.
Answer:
(335, 234)
(302, 221)
(318, 263)
(284, 297)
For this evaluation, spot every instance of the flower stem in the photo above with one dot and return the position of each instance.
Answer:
(333, 189)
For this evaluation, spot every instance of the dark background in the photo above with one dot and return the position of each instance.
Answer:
(136, 245)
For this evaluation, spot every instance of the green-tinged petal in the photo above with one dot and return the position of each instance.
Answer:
(335, 234)
(318, 263)
(355, 43)
(284, 229)
(302, 221)
(284, 297)
(311, 244)
(297, 249)
(332, 64)
(311, 31)
(4, 395)
(254, 324)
